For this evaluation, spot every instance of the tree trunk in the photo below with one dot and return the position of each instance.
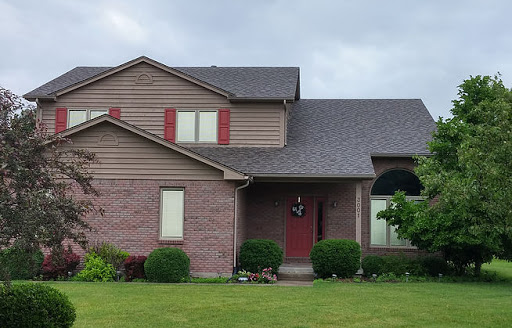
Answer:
(478, 268)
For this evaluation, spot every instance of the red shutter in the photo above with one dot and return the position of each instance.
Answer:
(61, 119)
(115, 112)
(170, 124)
(224, 126)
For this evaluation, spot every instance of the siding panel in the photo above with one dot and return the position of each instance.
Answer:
(143, 105)
(135, 157)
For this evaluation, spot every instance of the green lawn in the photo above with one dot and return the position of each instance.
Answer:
(324, 305)
(502, 268)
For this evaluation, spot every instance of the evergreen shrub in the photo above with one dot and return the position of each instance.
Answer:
(167, 265)
(34, 305)
(259, 254)
(336, 256)
(372, 264)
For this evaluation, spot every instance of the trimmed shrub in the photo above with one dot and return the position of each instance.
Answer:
(397, 265)
(96, 270)
(258, 254)
(55, 267)
(372, 264)
(433, 265)
(20, 264)
(336, 256)
(134, 267)
(35, 305)
(167, 265)
(110, 253)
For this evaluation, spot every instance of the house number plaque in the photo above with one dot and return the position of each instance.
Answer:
(298, 209)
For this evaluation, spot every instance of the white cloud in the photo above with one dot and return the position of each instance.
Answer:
(123, 26)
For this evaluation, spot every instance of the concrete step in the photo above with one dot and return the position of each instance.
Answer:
(296, 276)
(296, 272)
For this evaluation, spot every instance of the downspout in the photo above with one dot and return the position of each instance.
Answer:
(285, 122)
(245, 185)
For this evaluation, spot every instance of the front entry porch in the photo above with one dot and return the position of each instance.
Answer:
(297, 215)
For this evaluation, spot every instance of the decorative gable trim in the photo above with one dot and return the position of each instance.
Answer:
(144, 59)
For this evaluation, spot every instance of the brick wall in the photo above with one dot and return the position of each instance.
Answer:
(381, 165)
(131, 220)
(266, 220)
(241, 233)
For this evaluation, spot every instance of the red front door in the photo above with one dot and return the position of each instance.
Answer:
(299, 229)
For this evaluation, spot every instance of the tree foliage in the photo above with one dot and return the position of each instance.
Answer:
(467, 180)
(38, 180)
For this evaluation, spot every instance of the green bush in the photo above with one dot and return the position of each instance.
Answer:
(96, 270)
(20, 264)
(35, 305)
(399, 265)
(259, 254)
(110, 253)
(434, 265)
(372, 264)
(336, 256)
(167, 265)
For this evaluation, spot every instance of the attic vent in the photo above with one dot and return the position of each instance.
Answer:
(108, 139)
(144, 78)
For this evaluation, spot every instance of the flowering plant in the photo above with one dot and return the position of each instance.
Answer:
(265, 277)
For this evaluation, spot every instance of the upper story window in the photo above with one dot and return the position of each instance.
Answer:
(383, 189)
(196, 126)
(77, 116)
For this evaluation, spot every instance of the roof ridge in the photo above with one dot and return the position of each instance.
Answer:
(360, 99)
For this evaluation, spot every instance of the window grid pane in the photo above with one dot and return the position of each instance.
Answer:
(207, 126)
(186, 122)
(172, 214)
(76, 117)
(393, 238)
(97, 112)
(378, 227)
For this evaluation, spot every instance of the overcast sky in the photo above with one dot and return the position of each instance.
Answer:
(345, 49)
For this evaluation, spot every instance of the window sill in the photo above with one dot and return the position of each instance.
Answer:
(171, 241)
(393, 247)
(197, 144)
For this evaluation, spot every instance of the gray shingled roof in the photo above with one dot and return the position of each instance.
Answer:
(336, 137)
(249, 82)
(76, 75)
(242, 82)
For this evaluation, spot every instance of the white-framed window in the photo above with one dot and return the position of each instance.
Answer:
(172, 209)
(77, 116)
(196, 126)
(382, 234)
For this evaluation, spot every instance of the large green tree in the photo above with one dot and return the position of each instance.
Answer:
(467, 180)
(38, 182)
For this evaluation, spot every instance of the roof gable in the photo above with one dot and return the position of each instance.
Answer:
(229, 173)
(235, 83)
(65, 82)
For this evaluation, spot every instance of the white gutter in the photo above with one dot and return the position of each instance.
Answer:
(249, 180)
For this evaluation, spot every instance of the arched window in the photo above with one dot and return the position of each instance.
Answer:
(380, 198)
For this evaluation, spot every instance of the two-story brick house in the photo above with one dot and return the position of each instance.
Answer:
(203, 158)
